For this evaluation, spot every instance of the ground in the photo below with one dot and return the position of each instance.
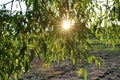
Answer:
(109, 70)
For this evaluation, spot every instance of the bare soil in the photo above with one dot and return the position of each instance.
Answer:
(110, 70)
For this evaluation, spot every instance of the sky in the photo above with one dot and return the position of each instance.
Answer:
(15, 5)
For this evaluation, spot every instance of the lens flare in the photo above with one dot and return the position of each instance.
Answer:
(66, 24)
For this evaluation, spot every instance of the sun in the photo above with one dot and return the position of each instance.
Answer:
(66, 24)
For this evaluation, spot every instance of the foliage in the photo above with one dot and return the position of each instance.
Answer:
(38, 32)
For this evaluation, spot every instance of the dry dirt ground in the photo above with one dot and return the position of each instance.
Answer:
(108, 71)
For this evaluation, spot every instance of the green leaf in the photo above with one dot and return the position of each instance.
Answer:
(73, 61)
(30, 46)
(90, 59)
(15, 76)
(80, 71)
(85, 73)
(97, 62)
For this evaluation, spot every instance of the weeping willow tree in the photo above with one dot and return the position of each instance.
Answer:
(39, 32)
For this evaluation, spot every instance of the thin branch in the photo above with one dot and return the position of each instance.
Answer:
(11, 6)
(6, 3)
(20, 5)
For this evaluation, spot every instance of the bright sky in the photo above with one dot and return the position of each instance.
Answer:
(15, 5)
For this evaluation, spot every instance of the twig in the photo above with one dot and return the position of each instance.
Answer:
(11, 6)
(20, 5)
(6, 3)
